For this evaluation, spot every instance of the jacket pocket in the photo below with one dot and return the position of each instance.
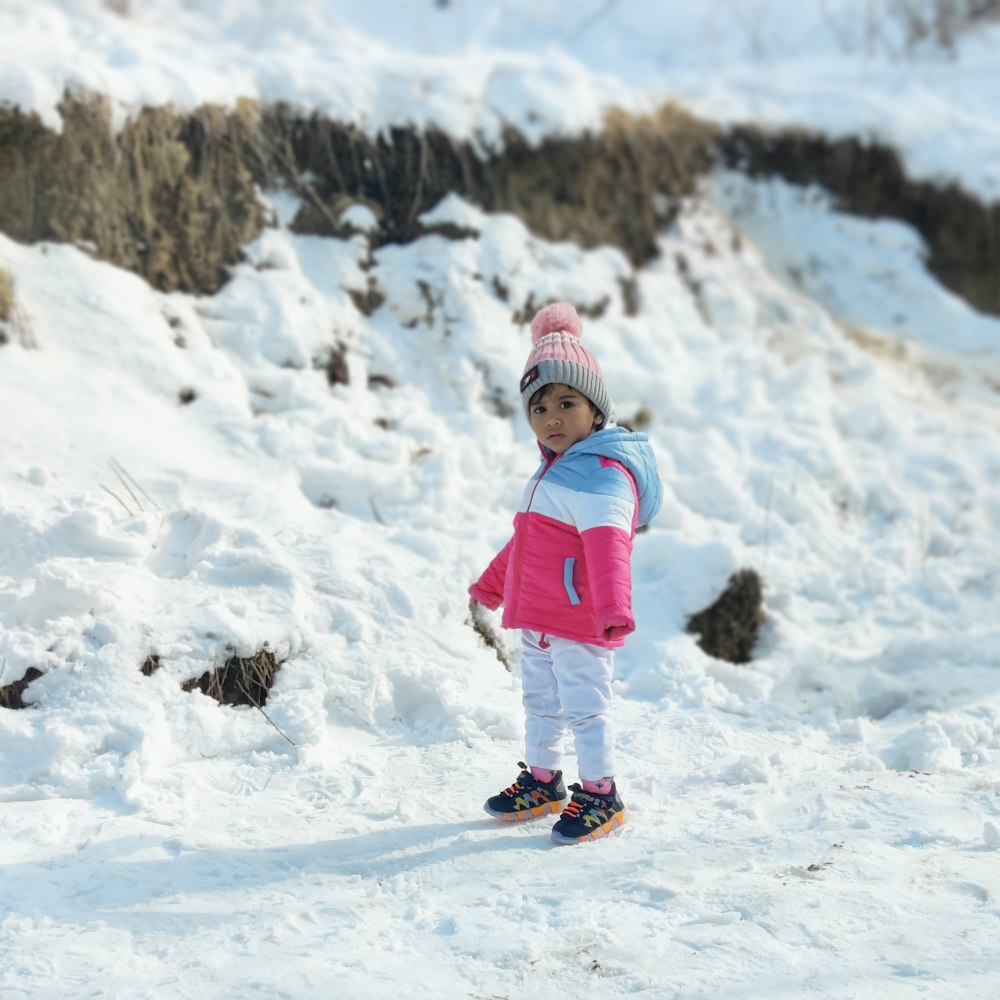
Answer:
(574, 597)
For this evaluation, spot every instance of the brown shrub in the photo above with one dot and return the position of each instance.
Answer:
(173, 196)
(728, 628)
(867, 179)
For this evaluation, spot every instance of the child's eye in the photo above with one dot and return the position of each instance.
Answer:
(567, 403)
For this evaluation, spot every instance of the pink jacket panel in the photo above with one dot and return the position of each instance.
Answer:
(575, 586)
(567, 570)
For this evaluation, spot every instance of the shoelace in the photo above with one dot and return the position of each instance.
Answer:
(582, 800)
(517, 786)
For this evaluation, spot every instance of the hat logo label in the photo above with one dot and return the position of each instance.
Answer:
(528, 377)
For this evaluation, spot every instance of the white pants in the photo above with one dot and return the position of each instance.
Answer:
(567, 685)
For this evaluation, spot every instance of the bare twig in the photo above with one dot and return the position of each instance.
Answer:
(298, 184)
(118, 498)
(120, 471)
(594, 17)
(261, 680)
(842, 37)
(767, 519)
(269, 719)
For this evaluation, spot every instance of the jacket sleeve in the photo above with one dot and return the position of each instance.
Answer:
(608, 555)
(488, 589)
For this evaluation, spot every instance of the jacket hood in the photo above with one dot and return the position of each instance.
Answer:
(632, 449)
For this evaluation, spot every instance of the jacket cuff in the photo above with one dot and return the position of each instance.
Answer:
(615, 618)
(491, 600)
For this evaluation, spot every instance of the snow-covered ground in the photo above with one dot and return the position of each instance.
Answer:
(822, 822)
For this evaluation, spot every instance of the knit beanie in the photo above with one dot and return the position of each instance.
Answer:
(558, 356)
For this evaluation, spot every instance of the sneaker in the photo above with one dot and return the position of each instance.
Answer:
(588, 816)
(527, 798)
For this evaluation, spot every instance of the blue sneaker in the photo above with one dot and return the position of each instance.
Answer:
(527, 798)
(589, 816)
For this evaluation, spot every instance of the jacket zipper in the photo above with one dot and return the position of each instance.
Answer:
(531, 500)
(538, 482)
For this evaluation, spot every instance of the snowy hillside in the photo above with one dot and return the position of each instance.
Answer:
(184, 477)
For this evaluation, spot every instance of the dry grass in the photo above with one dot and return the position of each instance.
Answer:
(14, 323)
(174, 197)
(487, 632)
(169, 196)
(6, 296)
(241, 680)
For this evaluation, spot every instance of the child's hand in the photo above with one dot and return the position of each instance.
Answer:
(612, 632)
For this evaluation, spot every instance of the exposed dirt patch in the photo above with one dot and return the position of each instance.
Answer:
(241, 680)
(150, 665)
(12, 695)
(335, 364)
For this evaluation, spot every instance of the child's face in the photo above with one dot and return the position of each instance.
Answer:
(560, 416)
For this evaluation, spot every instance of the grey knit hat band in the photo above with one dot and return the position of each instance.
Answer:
(557, 355)
(570, 373)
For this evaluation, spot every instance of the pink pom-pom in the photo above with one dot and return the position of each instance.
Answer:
(560, 317)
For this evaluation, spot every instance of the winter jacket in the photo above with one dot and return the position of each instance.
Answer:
(567, 570)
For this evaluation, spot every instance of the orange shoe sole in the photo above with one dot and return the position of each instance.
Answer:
(525, 814)
(616, 822)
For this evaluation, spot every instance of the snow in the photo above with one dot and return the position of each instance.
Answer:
(824, 821)
(476, 67)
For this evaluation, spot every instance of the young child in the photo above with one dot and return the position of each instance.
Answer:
(565, 579)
